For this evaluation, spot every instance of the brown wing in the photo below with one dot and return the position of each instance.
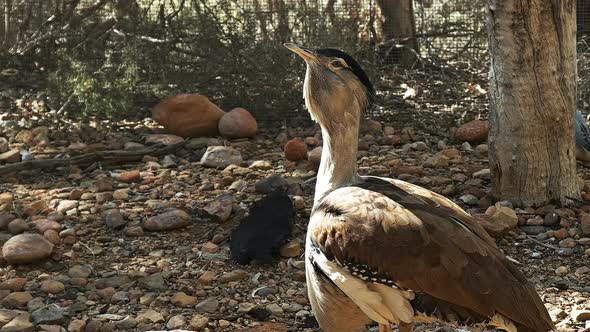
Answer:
(426, 244)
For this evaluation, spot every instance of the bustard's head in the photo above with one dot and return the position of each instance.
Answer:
(336, 88)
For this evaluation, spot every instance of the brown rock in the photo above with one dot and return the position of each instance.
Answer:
(20, 323)
(188, 115)
(314, 157)
(16, 300)
(182, 300)
(295, 150)
(134, 231)
(10, 156)
(220, 209)
(585, 221)
(210, 247)
(167, 221)
(498, 220)
(206, 278)
(473, 131)
(238, 123)
(101, 185)
(52, 287)
(14, 284)
(18, 226)
(35, 208)
(52, 236)
(76, 194)
(5, 204)
(5, 219)
(291, 249)
(44, 225)
(26, 248)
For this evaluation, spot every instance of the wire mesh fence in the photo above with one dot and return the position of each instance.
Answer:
(117, 58)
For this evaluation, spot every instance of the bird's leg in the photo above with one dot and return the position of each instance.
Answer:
(406, 327)
(384, 328)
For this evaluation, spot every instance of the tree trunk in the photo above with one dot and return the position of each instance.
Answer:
(532, 101)
(399, 27)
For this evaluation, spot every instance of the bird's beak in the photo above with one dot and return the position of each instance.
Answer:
(304, 52)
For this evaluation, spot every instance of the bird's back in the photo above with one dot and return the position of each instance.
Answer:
(405, 236)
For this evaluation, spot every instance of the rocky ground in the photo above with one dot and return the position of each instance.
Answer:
(144, 245)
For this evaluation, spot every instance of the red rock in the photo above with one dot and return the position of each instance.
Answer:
(473, 131)
(295, 150)
(206, 278)
(188, 115)
(237, 123)
(129, 176)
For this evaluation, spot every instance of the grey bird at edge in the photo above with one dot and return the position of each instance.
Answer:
(582, 138)
(380, 250)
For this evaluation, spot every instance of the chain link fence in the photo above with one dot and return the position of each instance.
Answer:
(117, 58)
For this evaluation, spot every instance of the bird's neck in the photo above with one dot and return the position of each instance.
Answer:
(338, 163)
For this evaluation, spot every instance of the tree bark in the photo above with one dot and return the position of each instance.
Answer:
(399, 26)
(532, 101)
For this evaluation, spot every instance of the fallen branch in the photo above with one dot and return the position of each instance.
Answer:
(106, 157)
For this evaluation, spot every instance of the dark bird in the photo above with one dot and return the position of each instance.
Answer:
(260, 234)
(582, 138)
(386, 251)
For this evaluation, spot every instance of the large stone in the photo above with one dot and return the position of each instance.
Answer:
(237, 123)
(221, 156)
(188, 115)
(26, 248)
(295, 150)
(167, 221)
(474, 131)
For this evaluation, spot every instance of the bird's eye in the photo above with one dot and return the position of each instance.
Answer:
(337, 64)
